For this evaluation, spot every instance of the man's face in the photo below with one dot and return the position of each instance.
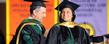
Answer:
(66, 14)
(40, 14)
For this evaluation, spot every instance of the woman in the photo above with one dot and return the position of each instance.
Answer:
(67, 31)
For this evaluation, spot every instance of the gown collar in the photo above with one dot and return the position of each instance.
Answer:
(68, 24)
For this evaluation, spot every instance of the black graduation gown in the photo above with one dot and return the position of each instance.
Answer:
(30, 34)
(60, 34)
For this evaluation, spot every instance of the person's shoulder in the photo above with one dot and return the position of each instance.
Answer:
(30, 20)
(57, 24)
(79, 27)
(29, 24)
(55, 27)
(25, 23)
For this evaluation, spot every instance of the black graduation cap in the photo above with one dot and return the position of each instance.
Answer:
(66, 3)
(98, 39)
(37, 2)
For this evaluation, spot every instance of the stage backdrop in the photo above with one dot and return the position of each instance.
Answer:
(93, 12)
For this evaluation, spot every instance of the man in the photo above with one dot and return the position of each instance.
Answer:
(31, 31)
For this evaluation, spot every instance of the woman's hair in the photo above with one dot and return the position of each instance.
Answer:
(67, 6)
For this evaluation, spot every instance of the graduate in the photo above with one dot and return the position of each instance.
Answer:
(31, 31)
(67, 31)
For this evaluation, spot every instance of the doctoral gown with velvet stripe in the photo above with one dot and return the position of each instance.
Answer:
(60, 34)
(30, 34)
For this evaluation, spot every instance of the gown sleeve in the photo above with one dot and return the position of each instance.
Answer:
(85, 36)
(52, 37)
(32, 34)
(60, 34)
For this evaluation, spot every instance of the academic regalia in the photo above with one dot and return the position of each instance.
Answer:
(30, 31)
(67, 34)
(89, 29)
(98, 39)
(65, 4)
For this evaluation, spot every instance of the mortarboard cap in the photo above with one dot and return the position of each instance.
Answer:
(37, 2)
(65, 4)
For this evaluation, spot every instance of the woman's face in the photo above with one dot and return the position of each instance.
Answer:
(67, 14)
